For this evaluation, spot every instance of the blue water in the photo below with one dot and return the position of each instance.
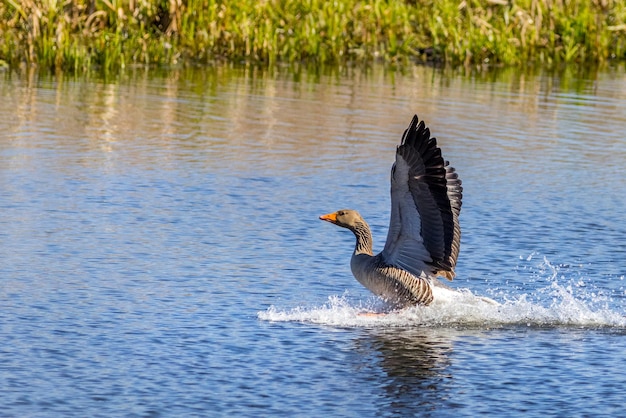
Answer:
(161, 252)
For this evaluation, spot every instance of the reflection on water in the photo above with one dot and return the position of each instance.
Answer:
(415, 363)
(225, 113)
(162, 252)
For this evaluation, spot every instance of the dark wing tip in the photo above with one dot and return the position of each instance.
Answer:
(417, 135)
(418, 145)
(412, 127)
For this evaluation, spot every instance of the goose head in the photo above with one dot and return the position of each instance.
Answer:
(346, 218)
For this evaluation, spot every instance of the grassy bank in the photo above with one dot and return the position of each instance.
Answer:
(109, 34)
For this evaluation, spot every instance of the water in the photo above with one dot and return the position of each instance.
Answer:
(162, 256)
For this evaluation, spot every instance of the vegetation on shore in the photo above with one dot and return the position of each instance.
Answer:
(110, 34)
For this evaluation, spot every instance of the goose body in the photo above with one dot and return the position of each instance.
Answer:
(424, 234)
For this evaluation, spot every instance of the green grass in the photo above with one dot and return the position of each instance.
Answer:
(112, 34)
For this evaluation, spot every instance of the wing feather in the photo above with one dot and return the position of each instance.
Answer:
(426, 193)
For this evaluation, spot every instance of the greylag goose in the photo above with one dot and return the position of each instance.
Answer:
(424, 233)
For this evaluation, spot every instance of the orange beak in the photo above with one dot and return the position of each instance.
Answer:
(331, 217)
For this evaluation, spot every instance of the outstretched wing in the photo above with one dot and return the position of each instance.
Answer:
(426, 194)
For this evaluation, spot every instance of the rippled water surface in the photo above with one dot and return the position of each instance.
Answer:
(161, 252)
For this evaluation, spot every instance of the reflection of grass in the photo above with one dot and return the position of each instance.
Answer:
(115, 33)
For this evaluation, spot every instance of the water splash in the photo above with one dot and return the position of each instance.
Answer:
(552, 300)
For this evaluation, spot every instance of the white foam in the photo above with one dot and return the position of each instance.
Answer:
(460, 308)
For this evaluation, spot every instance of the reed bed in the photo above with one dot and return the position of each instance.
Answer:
(112, 34)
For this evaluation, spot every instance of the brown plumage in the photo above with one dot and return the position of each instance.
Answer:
(424, 234)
